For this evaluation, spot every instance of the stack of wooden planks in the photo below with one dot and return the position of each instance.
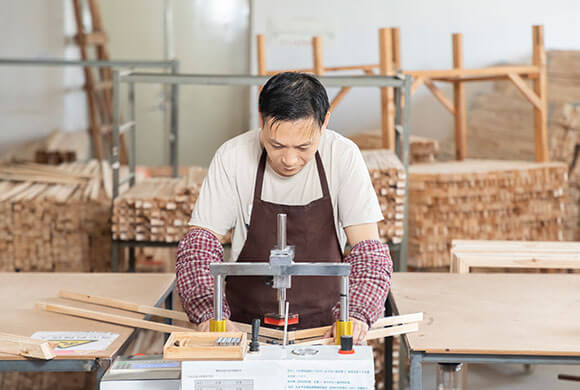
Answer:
(54, 218)
(54, 149)
(565, 147)
(422, 149)
(482, 199)
(158, 208)
(388, 178)
(500, 122)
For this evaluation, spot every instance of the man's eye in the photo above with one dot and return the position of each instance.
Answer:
(277, 146)
(303, 149)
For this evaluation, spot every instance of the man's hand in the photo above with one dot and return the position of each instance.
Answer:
(359, 331)
(230, 327)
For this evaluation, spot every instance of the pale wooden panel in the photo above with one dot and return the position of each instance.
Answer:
(528, 314)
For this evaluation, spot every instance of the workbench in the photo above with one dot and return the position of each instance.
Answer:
(489, 318)
(19, 292)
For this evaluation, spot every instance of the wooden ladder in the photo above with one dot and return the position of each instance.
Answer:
(98, 85)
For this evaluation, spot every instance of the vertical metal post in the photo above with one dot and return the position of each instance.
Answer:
(115, 161)
(217, 298)
(133, 130)
(406, 154)
(398, 121)
(344, 298)
(173, 136)
(416, 371)
(282, 231)
(168, 306)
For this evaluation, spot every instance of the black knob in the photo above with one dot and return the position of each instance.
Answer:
(346, 343)
(255, 344)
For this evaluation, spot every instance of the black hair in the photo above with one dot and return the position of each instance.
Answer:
(290, 96)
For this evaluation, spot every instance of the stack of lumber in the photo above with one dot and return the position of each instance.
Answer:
(565, 147)
(482, 199)
(54, 218)
(422, 150)
(54, 149)
(500, 123)
(388, 178)
(157, 208)
(43, 380)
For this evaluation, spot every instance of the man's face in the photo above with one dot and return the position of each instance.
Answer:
(290, 145)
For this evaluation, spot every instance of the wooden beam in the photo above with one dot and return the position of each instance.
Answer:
(417, 84)
(477, 72)
(387, 97)
(540, 114)
(440, 96)
(459, 101)
(395, 34)
(111, 318)
(482, 78)
(351, 67)
(25, 346)
(261, 52)
(339, 96)
(397, 320)
(124, 305)
(528, 93)
(317, 57)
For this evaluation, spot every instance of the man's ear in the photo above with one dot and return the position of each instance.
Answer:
(326, 120)
(261, 120)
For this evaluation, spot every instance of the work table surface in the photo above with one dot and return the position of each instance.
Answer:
(19, 292)
(515, 314)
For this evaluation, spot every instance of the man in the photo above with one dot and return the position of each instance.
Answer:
(291, 165)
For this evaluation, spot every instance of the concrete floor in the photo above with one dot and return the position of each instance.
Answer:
(510, 377)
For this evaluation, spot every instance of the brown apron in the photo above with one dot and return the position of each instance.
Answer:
(311, 230)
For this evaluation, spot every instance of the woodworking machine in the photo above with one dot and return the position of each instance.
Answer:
(281, 268)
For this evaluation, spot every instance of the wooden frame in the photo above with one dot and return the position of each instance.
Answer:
(390, 64)
(514, 254)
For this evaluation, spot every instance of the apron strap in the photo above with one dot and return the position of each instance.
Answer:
(322, 176)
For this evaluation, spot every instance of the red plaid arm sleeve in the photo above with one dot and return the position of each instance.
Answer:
(195, 252)
(369, 281)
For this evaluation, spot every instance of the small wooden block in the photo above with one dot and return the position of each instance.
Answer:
(203, 346)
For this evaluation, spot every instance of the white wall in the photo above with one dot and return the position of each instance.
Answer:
(31, 99)
(494, 31)
(209, 37)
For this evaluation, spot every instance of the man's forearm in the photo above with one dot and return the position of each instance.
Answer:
(195, 252)
(369, 281)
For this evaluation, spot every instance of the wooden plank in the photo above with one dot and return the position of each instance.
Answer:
(372, 334)
(111, 318)
(124, 305)
(540, 114)
(338, 98)
(387, 94)
(317, 56)
(479, 72)
(261, 52)
(417, 84)
(459, 102)
(25, 346)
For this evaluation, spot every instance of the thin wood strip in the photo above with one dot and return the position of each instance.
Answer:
(338, 98)
(25, 346)
(417, 84)
(371, 334)
(111, 318)
(124, 305)
(489, 71)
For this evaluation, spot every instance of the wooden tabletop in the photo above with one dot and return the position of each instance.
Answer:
(505, 314)
(19, 292)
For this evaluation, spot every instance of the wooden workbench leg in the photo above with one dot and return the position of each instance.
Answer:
(459, 101)
(387, 96)
(540, 115)
(318, 64)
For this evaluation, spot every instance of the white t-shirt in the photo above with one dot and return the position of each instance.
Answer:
(226, 196)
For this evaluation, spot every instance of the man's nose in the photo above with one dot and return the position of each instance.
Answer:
(289, 157)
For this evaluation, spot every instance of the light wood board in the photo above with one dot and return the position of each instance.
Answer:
(505, 314)
(20, 291)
